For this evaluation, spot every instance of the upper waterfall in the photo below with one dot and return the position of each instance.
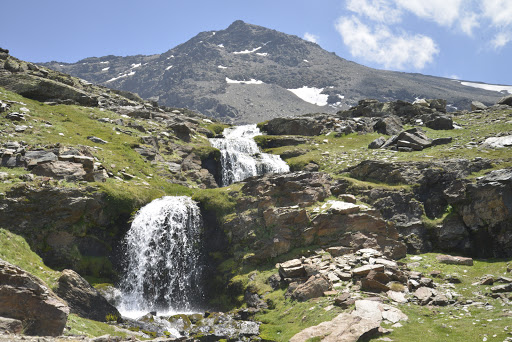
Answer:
(163, 253)
(241, 157)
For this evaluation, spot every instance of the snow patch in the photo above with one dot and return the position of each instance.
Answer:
(252, 81)
(169, 67)
(311, 95)
(105, 69)
(136, 65)
(305, 60)
(131, 73)
(171, 56)
(106, 62)
(222, 67)
(247, 51)
(263, 54)
(220, 45)
(491, 87)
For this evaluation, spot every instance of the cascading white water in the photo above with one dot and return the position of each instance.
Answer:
(163, 253)
(241, 157)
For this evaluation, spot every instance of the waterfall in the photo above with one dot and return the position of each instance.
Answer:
(241, 157)
(164, 269)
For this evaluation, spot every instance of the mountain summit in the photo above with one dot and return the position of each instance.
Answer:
(248, 73)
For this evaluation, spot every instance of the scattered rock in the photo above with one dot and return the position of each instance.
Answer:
(377, 143)
(10, 326)
(424, 295)
(477, 105)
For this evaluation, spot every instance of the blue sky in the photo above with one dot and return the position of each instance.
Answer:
(466, 39)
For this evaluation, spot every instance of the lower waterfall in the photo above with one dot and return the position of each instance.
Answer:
(241, 157)
(163, 256)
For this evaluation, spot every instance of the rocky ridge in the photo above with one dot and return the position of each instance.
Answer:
(244, 74)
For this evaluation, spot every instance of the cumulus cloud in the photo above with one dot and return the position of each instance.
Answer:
(311, 37)
(381, 45)
(498, 11)
(443, 12)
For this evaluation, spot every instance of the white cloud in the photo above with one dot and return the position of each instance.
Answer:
(379, 44)
(501, 39)
(311, 37)
(498, 11)
(468, 22)
(443, 12)
(377, 10)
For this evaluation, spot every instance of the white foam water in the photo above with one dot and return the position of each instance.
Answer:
(241, 157)
(163, 259)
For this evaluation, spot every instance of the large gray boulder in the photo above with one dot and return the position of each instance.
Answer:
(313, 288)
(26, 298)
(83, 299)
(293, 126)
(507, 100)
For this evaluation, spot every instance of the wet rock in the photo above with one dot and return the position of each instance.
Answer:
(26, 298)
(83, 299)
(454, 260)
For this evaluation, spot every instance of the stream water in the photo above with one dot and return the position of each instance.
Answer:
(241, 158)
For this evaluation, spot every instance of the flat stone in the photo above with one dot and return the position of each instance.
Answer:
(424, 295)
(502, 288)
(454, 260)
(385, 262)
(364, 270)
(343, 208)
(339, 250)
(398, 297)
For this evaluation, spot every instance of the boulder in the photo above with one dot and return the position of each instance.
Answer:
(502, 288)
(292, 269)
(182, 131)
(424, 295)
(83, 299)
(507, 100)
(97, 140)
(26, 298)
(60, 170)
(364, 270)
(293, 126)
(314, 287)
(454, 260)
(439, 122)
(344, 327)
(377, 143)
(389, 125)
(477, 105)
(498, 142)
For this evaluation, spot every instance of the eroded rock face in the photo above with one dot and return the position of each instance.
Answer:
(28, 299)
(272, 219)
(83, 299)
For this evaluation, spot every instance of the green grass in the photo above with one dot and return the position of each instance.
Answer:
(14, 249)
(82, 326)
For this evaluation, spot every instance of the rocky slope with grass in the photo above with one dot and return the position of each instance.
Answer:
(248, 73)
(352, 234)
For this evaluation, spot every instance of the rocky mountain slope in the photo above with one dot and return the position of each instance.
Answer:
(352, 234)
(249, 74)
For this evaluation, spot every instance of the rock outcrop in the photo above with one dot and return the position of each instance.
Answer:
(271, 218)
(26, 298)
